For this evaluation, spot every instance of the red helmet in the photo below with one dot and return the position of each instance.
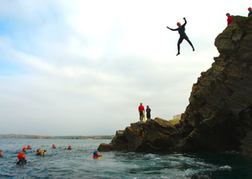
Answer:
(20, 156)
(24, 148)
(28, 146)
(178, 23)
(249, 8)
(69, 146)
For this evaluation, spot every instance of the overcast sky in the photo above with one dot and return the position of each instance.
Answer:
(82, 67)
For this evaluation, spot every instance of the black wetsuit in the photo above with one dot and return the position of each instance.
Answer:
(181, 31)
(21, 162)
(148, 111)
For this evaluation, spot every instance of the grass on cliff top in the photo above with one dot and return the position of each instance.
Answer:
(174, 122)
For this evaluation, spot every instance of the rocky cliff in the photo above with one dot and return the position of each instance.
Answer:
(219, 114)
(154, 135)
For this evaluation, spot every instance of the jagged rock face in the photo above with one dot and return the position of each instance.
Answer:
(219, 114)
(154, 135)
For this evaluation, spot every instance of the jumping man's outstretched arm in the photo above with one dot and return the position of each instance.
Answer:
(185, 21)
(171, 28)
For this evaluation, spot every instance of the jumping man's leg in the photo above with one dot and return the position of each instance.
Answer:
(179, 42)
(187, 39)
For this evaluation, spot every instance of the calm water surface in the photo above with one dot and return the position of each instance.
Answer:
(78, 162)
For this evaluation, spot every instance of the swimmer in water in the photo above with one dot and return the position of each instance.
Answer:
(53, 146)
(69, 147)
(21, 156)
(24, 149)
(96, 155)
(1, 154)
(29, 147)
(40, 152)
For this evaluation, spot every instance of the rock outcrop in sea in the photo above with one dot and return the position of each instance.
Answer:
(219, 114)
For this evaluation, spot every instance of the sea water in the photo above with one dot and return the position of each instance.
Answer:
(79, 163)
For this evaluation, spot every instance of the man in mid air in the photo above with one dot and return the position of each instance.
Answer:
(181, 31)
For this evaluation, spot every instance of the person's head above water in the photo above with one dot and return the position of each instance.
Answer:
(39, 152)
(96, 155)
(21, 156)
(24, 149)
(1, 154)
(53, 146)
(69, 147)
(28, 146)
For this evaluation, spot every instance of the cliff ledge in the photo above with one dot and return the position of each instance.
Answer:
(219, 114)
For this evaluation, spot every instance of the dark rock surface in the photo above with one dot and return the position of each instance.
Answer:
(219, 114)
(154, 135)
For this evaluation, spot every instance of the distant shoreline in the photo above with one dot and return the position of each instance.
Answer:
(22, 136)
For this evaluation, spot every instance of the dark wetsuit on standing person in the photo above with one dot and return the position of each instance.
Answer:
(148, 112)
(181, 31)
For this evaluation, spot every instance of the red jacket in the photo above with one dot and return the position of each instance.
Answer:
(141, 108)
(229, 20)
(96, 156)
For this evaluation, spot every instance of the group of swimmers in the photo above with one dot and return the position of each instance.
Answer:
(22, 158)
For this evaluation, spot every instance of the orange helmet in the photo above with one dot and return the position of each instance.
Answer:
(178, 23)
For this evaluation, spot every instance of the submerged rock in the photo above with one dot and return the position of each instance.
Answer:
(219, 114)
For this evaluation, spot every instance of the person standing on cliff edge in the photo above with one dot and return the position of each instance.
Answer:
(141, 111)
(250, 11)
(229, 19)
(148, 112)
(181, 31)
